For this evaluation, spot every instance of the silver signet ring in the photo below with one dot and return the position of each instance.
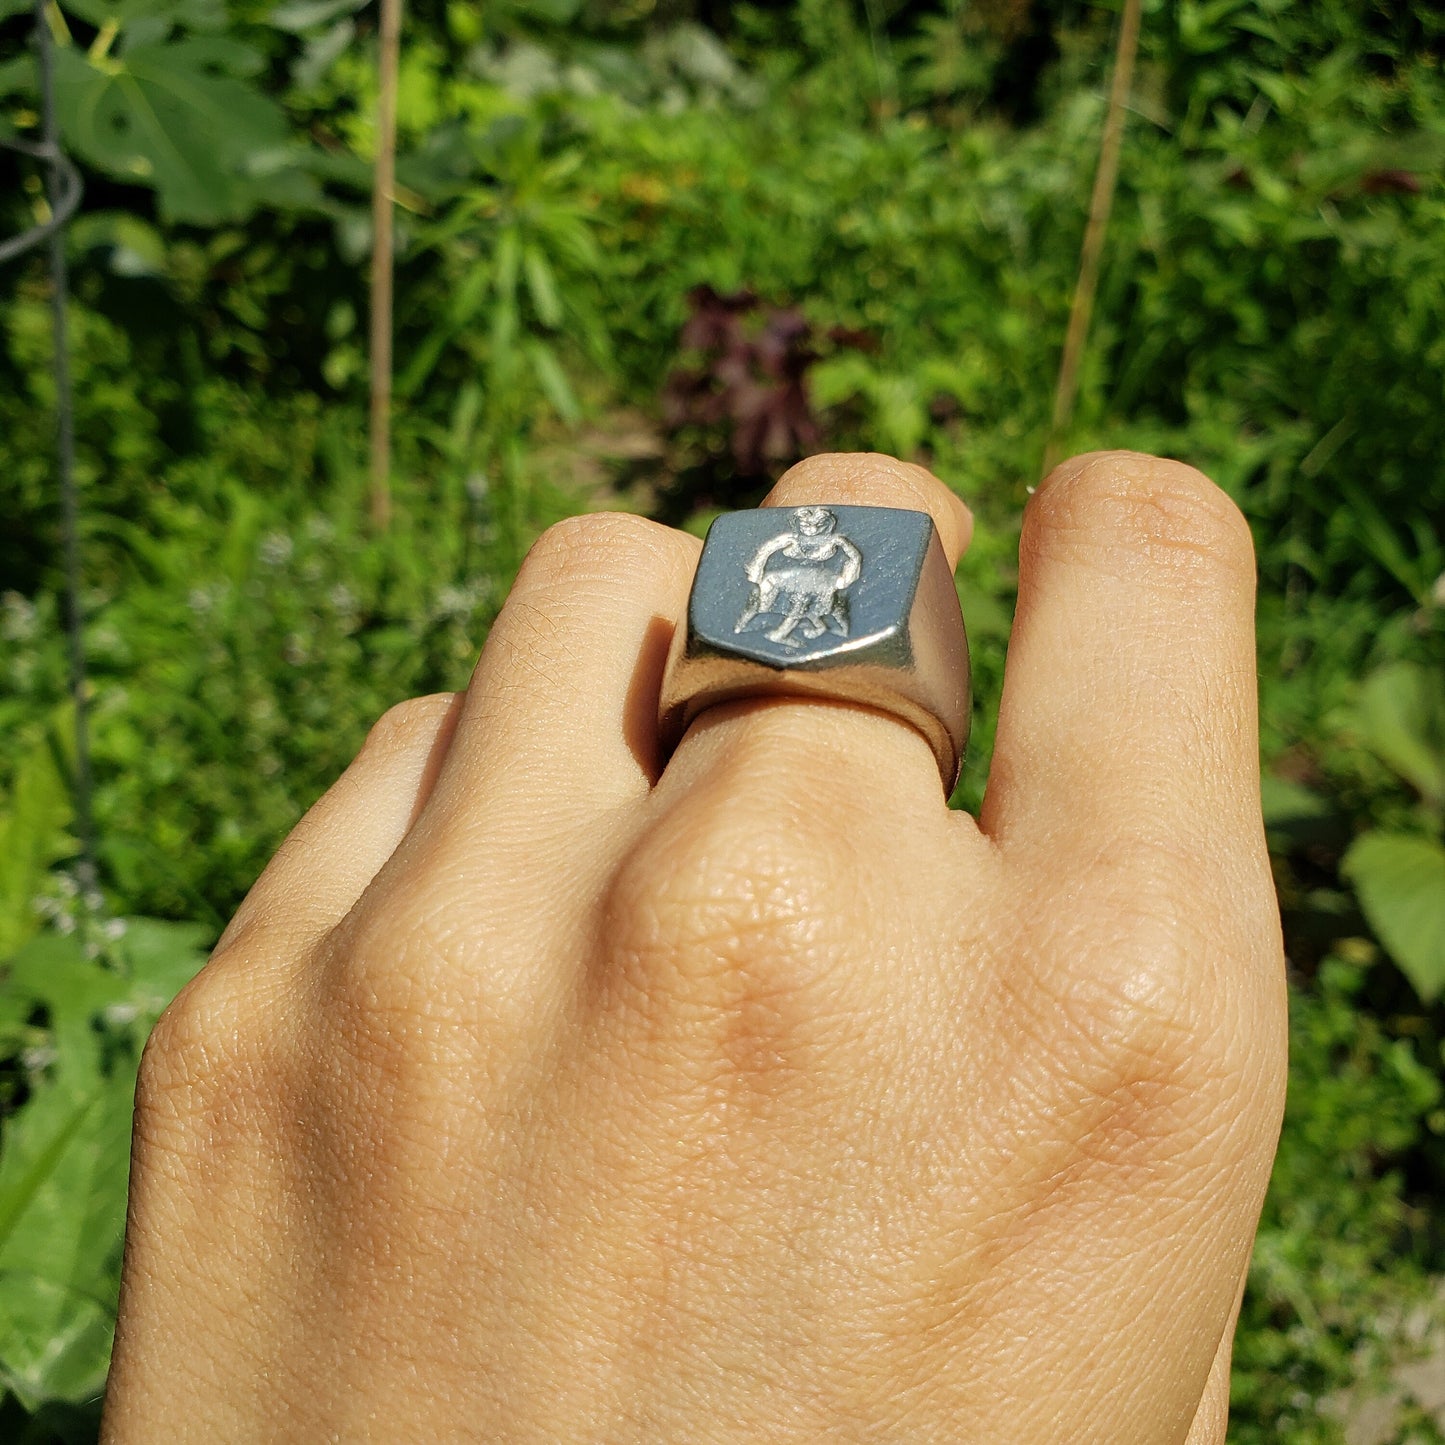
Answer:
(850, 603)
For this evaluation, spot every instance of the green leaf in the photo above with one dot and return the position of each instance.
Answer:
(546, 12)
(54, 1340)
(32, 836)
(1400, 715)
(62, 1195)
(178, 117)
(1400, 880)
(553, 381)
(22, 1185)
(132, 246)
(66, 1152)
(541, 287)
(14, 7)
(299, 15)
(505, 262)
(17, 77)
(1285, 803)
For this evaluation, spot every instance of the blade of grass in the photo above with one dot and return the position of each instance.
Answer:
(1091, 252)
(382, 203)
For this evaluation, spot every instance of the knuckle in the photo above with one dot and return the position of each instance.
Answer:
(594, 544)
(1150, 1045)
(213, 1052)
(415, 1010)
(717, 937)
(407, 723)
(1115, 507)
(860, 477)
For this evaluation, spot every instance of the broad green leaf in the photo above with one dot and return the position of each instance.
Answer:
(20, 1185)
(33, 835)
(74, 991)
(1285, 803)
(155, 960)
(62, 1202)
(1401, 717)
(14, 7)
(1400, 880)
(66, 1151)
(160, 958)
(54, 1340)
(178, 117)
(17, 77)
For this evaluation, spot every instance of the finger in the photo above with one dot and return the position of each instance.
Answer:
(1211, 1423)
(804, 743)
(559, 723)
(556, 736)
(1128, 713)
(335, 851)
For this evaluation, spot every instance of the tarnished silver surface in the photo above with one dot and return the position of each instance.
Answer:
(856, 603)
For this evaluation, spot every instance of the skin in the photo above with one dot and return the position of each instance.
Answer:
(543, 1092)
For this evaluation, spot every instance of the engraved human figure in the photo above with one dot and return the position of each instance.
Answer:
(803, 576)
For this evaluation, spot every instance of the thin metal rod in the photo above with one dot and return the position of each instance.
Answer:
(57, 193)
(382, 204)
(1091, 253)
(59, 214)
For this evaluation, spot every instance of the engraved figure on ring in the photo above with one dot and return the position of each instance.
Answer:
(802, 577)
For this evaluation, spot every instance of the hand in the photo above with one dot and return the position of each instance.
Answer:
(540, 1092)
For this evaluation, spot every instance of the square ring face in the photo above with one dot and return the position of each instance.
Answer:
(806, 588)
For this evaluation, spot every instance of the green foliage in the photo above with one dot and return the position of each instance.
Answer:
(1400, 717)
(1401, 883)
(33, 823)
(65, 1153)
(1334, 1268)
(1400, 876)
(1272, 308)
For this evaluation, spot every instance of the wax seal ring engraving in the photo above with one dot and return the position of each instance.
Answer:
(852, 603)
(795, 574)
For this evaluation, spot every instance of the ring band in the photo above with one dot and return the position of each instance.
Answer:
(850, 603)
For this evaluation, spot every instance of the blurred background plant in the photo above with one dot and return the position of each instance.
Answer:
(647, 253)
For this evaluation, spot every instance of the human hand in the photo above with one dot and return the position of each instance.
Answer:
(540, 1092)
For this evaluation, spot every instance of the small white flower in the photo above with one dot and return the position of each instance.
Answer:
(64, 923)
(453, 602)
(37, 1059)
(114, 928)
(275, 549)
(119, 1014)
(18, 621)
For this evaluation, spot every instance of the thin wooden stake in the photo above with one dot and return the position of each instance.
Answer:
(61, 206)
(1091, 252)
(382, 203)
